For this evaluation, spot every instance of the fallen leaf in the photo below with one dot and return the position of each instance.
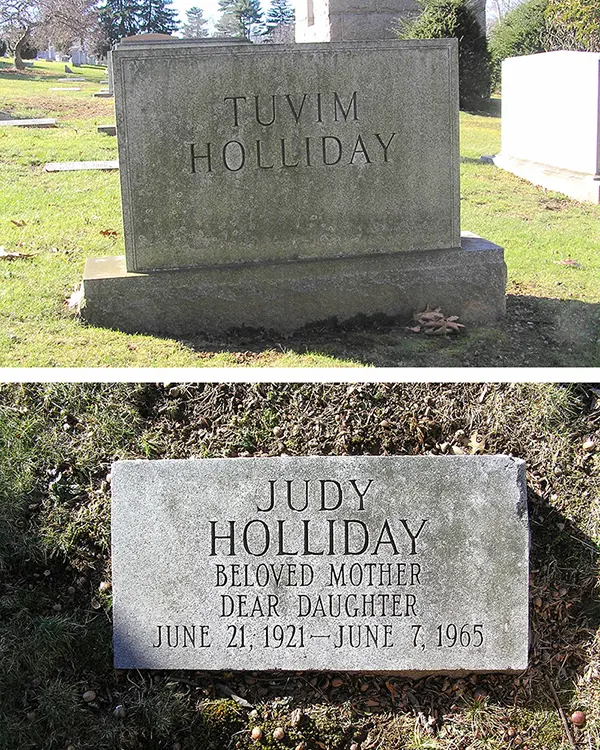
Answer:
(433, 322)
(108, 233)
(392, 690)
(568, 262)
(477, 443)
(19, 223)
(12, 256)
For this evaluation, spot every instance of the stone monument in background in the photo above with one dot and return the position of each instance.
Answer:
(273, 186)
(353, 20)
(551, 121)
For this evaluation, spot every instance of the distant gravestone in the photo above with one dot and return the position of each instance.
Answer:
(281, 185)
(551, 121)
(77, 166)
(46, 122)
(393, 564)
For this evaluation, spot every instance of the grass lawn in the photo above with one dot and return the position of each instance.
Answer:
(60, 219)
(57, 443)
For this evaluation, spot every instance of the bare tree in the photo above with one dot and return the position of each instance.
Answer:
(60, 22)
(64, 22)
(18, 19)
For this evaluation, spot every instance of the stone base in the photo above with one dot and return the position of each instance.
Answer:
(582, 187)
(469, 281)
(104, 94)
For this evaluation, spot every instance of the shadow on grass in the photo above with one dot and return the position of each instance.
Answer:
(493, 109)
(535, 332)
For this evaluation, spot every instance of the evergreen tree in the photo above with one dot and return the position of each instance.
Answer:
(440, 19)
(195, 27)
(280, 13)
(227, 25)
(155, 17)
(119, 18)
(522, 31)
(249, 15)
(239, 18)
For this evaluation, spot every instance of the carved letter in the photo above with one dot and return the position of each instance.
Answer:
(325, 140)
(258, 120)
(195, 156)
(385, 146)
(266, 510)
(361, 495)
(214, 536)
(291, 103)
(337, 504)
(259, 158)
(337, 103)
(234, 99)
(242, 156)
(412, 536)
(283, 161)
(360, 148)
(289, 495)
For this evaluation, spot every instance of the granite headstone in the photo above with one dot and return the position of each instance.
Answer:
(551, 121)
(394, 564)
(277, 185)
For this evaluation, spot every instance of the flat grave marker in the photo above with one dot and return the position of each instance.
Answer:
(75, 166)
(393, 564)
(44, 122)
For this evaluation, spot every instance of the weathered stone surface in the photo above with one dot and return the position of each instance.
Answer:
(469, 282)
(361, 158)
(551, 121)
(394, 564)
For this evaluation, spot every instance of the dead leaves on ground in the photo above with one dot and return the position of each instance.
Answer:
(109, 233)
(4, 255)
(433, 322)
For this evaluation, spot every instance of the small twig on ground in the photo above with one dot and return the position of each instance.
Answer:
(561, 713)
(230, 694)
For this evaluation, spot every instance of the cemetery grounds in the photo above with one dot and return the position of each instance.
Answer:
(51, 222)
(58, 688)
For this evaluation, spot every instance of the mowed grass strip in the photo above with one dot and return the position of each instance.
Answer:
(57, 443)
(551, 248)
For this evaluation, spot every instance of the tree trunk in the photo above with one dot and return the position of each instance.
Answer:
(19, 64)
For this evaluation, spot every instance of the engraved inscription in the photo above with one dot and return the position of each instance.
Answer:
(361, 604)
(291, 115)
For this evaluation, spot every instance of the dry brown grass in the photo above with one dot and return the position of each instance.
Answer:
(56, 446)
